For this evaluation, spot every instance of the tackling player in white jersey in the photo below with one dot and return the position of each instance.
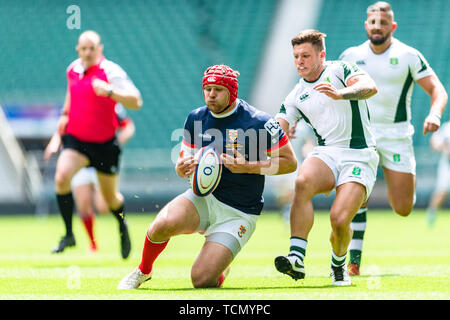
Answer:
(330, 97)
(395, 67)
(440, 141)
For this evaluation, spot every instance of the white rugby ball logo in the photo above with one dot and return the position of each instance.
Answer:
(206, 176)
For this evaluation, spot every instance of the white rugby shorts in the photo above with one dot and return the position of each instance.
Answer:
(395, 147)
(350, 165)
(221, 223)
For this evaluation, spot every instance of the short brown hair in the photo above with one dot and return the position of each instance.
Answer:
(381, 6)
(316, 38)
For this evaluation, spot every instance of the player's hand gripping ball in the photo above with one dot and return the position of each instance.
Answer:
(208, 171)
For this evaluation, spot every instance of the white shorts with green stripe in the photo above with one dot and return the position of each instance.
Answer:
(350, 165)
(221, 223)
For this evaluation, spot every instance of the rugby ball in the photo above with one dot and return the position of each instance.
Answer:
(208, 171)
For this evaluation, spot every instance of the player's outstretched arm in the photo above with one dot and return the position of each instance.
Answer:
(434, 88)
(359, 87)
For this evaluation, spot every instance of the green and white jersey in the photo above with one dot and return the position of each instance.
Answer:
(339, 123)
(394, 72)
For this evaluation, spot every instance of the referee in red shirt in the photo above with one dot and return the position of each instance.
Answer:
(88, 126)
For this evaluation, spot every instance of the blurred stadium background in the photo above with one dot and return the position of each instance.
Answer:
(165, 46)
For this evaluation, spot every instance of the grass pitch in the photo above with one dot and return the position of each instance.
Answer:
(402, 259)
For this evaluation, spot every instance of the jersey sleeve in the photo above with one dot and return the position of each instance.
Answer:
(347, 70)
(288, 110)
(188, 147)
(119, 78)
(419, 66)
(276, 138)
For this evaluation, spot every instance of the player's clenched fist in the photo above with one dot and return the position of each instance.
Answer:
(101, 88)
(431, 124)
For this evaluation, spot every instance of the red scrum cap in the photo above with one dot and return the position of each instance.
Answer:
(225, 76)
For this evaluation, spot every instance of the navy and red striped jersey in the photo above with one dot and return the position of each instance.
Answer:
(252, 133)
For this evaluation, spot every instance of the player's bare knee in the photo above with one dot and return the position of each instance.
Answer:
(403, 211)
(161, 229)
(62, 181)
(201, 279)
(403, 208)
(339, 224)
(303, 186)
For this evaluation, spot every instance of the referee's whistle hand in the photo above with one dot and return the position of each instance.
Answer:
(101, 88)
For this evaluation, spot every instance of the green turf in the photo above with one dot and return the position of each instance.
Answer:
(403, 259)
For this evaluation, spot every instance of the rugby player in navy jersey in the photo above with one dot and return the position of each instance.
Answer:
(251, 144)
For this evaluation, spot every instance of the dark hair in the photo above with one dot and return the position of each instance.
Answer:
(316, 38)
(381, 6)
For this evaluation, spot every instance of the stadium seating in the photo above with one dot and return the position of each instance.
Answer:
(163, 45)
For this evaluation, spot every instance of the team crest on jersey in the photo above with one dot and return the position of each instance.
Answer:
(393, 61)
(242, 231)
(232, 134)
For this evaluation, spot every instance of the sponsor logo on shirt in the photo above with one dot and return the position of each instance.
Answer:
(361, 62)
(304, 96)
(205, 136)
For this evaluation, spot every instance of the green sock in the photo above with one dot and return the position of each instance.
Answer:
(337, 261)
(358, 226)
(298, 247)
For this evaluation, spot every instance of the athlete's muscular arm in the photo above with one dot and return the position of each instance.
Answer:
(64, 117)
(434, 88)
(281, 161)
(126, 133)
(128, 98)
(52, 147)
(359, 87)
(283, 123)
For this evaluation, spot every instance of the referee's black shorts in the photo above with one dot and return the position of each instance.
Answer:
(102, 156)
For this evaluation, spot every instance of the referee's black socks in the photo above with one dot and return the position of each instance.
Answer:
(119, 214)
(65, 205)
